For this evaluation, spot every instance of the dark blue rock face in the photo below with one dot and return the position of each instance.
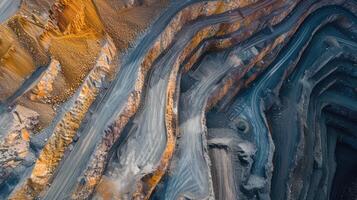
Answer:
(301, 114)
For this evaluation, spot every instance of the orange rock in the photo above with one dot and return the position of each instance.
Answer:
(67, 127)
(15, 63)
(25, 135)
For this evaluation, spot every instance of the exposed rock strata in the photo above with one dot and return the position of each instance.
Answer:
(237, 112)
(65, 129)
(199, 100)
(72, 33)
(96, 165)
(16, 154)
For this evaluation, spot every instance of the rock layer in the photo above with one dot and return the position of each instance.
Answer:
(238, 99)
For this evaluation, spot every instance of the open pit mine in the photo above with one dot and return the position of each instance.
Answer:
(178, 99)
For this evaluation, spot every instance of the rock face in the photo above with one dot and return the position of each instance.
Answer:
(157, 99)
(16, 129)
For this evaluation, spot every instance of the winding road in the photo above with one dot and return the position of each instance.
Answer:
(108, 108)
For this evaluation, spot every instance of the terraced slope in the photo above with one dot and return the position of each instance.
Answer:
(191, 99)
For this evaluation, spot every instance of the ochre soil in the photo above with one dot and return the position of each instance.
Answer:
(124, 24)
(70, 31)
